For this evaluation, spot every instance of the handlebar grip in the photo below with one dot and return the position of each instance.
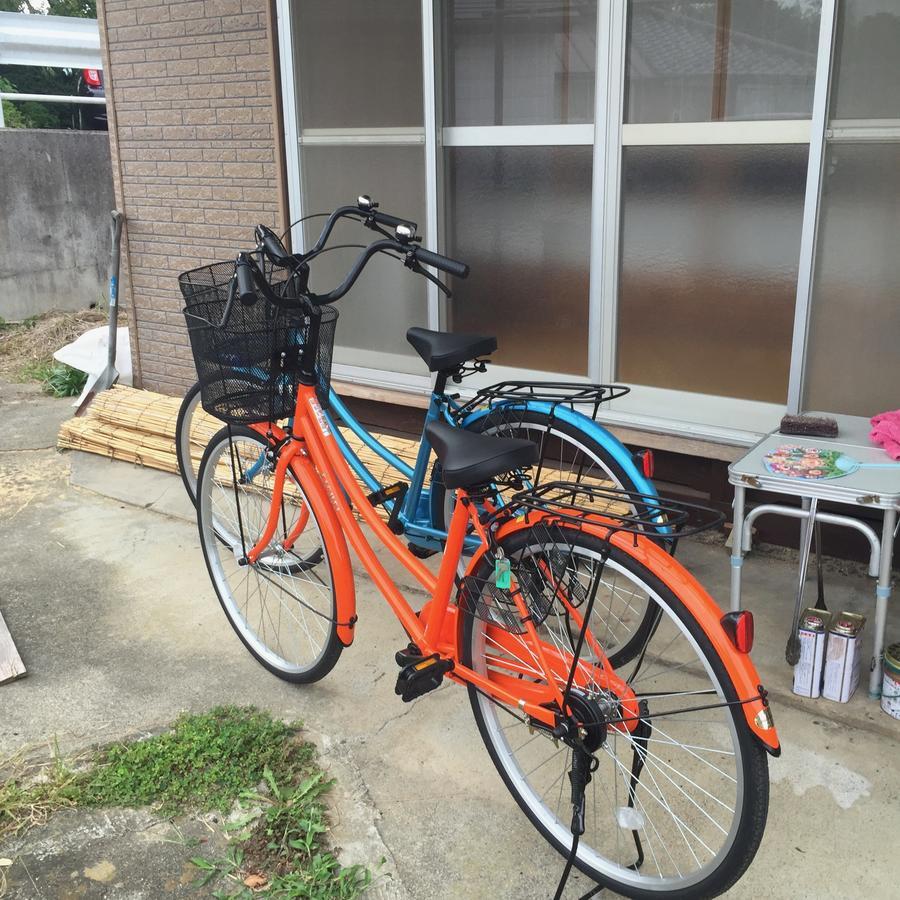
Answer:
(444, 263)
(246, 290)
(392, 221)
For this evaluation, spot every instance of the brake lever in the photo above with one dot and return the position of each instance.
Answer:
(411, 263)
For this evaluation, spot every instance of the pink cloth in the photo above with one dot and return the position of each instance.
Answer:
(886, 432)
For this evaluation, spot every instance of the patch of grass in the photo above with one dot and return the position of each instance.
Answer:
(56, 378)
(31, 792)
(205, 762)
(283, 855)
(211, 761)
(32, 342)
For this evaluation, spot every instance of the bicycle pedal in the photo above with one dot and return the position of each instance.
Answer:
(395, 494)
(420, 676)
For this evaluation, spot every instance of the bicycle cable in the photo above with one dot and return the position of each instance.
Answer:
(300, 221)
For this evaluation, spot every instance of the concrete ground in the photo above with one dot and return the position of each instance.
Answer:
(106, 594)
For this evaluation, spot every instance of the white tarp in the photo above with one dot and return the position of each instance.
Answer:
(89, 351)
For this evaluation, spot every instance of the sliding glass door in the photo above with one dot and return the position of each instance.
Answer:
(642, 189)
(853, 365)
(715, 141)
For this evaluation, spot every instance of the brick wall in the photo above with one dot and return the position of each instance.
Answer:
(196, 161)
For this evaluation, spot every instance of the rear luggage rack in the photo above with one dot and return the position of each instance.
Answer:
(645, 514)
(556, 393)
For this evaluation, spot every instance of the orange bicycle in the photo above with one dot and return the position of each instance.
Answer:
(644, 765)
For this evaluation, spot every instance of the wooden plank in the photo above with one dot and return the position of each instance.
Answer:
(11, 665)
(416, 399)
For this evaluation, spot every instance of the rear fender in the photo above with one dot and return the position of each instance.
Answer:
(619, 452)
(704, 609)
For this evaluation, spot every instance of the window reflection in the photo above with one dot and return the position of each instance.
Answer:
(519, 62)
(721, 60)
(866, 78)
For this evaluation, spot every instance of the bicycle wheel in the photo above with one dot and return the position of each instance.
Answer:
(282, 606)
(569, 455)
(189, 440)
(691, 821)
(193, 430)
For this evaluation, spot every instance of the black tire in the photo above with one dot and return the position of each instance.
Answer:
(746, 832)
(527, 423)
(286, 582)
(182, 432)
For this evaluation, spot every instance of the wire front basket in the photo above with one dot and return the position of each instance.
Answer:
(249, 356)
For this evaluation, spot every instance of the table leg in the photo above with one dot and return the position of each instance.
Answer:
(737, 545)
(792, 651)
(882, 594)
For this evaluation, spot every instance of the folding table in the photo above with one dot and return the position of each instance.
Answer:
(864, 488)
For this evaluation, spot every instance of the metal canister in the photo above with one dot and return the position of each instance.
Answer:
(890, 689)
(812, 635)
(842, 656)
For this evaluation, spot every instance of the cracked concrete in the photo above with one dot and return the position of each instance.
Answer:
(106, 594)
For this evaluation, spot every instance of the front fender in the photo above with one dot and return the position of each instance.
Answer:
(698, 602)
(332, 536)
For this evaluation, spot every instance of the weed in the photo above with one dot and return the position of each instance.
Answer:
(31, 792)
(208, 762)
(205, 762)
(56, 378)
(32, 343)
(283, 856)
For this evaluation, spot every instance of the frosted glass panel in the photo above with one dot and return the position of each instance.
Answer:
(712, 60)
(387, 298)
(358, 63)
(866, 76)
(517, 62)
(520, 216)
(710, 248)
(853, 360)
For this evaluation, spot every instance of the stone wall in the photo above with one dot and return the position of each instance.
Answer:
(56, 196)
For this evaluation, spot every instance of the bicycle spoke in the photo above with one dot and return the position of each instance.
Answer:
(282, 604)
(683, 801)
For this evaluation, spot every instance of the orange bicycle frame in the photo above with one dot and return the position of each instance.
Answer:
(332, 493)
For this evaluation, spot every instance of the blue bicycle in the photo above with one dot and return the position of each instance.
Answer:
(573, 445)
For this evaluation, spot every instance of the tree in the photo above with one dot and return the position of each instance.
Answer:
(42, 79)
(79, 9)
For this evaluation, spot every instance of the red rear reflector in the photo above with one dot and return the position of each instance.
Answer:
(93, 77)
(647, 463)
(739, 628)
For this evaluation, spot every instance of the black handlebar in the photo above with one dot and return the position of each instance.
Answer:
(243, 271)
(413, 255)
(390, 221)
(404, 244)
(275, 250)
(444, 263)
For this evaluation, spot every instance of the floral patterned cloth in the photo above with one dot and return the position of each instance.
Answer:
(793, 461)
